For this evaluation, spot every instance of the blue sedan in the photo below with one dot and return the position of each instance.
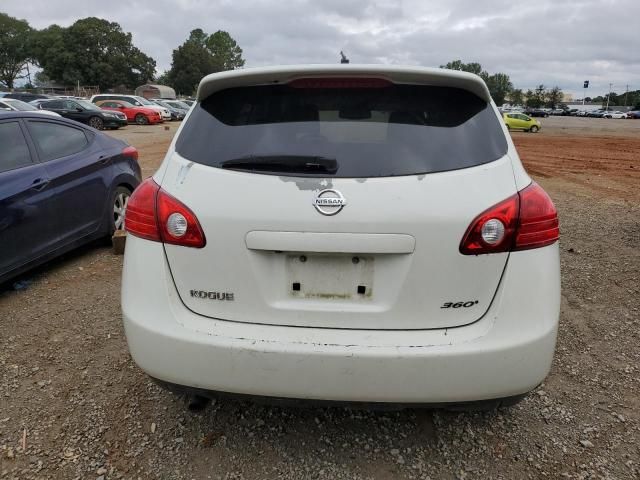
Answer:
(62, 184)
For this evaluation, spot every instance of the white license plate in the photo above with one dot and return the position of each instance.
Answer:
(330, 277)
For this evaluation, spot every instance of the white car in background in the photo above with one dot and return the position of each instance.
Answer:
(615, 114)
(12, 104)
(344, 233)
(133, 100)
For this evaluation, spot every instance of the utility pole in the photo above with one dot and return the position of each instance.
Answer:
(626, 93)
(609, 96)
(29, 75)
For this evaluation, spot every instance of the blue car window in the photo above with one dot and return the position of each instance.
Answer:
(15, 152)
(56, 141)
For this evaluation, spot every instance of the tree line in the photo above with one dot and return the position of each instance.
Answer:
(626, 99)
(502, 90)
(94, 51)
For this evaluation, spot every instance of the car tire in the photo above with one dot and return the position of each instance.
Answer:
(117, 207)
(97, 123)
(534, 129)
(508, 128)
(141, 119)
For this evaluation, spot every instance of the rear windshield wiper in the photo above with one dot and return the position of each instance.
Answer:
(283, 163)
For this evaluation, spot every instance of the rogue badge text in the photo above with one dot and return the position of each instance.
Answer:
(211, 295)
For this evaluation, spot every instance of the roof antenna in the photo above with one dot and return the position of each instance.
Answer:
(344, 58)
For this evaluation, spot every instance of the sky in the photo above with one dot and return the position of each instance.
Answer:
(553, 42)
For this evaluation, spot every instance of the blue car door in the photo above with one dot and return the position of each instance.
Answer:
(24, 200)
(80, 175)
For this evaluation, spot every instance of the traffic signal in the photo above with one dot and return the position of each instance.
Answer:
(586, 84)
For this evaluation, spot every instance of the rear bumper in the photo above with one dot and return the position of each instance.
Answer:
(508, 352)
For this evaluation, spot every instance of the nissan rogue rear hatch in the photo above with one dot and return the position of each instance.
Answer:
(339, 202)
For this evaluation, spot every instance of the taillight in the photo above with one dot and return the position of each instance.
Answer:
(155, 215)
(538, 225)
(178, 224)
(130, 152)
(478, 238)
(340, 82)
(140, 215)
(523, 221)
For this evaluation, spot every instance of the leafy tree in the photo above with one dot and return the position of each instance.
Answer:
(227, 55)
(15, 36)
(41, 79)
(191, 61)
(536, 98)
(530, 101)
(516, 96)
(554, 97)
(614, 99)
(46, 44)
(200, 55)
(199, 37)
(465, 67)
(454, 65)
(92, 51)
(499, 86)
(163, 79)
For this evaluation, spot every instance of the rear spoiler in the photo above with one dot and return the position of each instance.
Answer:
(397, 74)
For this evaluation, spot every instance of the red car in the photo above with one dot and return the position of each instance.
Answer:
(139, 115)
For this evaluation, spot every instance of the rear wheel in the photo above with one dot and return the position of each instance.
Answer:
(118, 207)
(97, 123)
(141, 119)
(534, 129)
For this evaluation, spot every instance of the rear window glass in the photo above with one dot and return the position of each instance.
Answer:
(343, 132)
(15, 153)
(56, 141)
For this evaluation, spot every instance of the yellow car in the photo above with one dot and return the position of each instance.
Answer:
(520, 121)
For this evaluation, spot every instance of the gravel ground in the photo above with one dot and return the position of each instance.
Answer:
(74, 406)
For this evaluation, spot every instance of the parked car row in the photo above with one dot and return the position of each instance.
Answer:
(573, 112)
(602, 113)
(102, 111)
(85, 112)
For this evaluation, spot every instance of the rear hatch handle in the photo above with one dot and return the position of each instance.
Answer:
(325, 242)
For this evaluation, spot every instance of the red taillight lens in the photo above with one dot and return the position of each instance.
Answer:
(130, 152)
(523, 221)
(538, 225)
(340, 82)
(155, 215)
(140, 216)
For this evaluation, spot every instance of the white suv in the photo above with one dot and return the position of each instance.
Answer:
(133, 100)
(344, 233)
